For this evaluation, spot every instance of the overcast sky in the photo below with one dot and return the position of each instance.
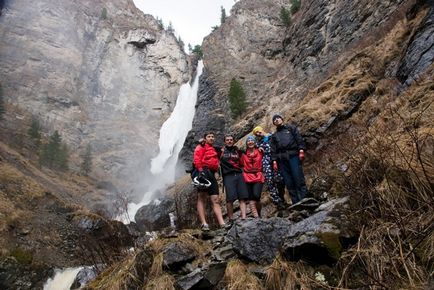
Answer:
(191, 19)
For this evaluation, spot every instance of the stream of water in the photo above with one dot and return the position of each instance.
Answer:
(62, 279)
(172, 137)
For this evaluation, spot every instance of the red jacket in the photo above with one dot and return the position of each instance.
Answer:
(205, 156)
(252, 166)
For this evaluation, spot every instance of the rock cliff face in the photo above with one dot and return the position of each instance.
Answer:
(278, 66)
(100, 72)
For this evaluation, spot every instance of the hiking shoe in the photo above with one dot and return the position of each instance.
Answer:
(204, 227)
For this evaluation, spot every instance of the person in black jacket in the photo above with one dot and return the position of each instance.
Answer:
(287, 154)
(233, 180)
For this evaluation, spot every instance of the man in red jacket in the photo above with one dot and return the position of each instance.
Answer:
(206, 161)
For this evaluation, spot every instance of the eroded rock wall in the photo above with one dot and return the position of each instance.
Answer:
(100, 72)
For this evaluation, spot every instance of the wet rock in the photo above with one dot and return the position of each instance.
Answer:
(154, 216)
(177, 254)
(112, 232)
(84, 276)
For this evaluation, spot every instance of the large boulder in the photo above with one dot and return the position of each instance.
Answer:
(319, 238)
(155, 216)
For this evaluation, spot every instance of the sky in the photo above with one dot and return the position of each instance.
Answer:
(191, 19)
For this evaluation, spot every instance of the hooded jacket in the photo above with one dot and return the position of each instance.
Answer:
(286, 141)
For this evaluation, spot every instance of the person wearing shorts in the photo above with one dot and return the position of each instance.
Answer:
(233, 180)
(251, 161)
(206, 161)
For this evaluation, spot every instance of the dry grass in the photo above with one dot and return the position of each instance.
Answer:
(286, 275)
(119, 276)
(162, 282)
(201, 248)
(360, 77)
(238, 277)
(392, 180)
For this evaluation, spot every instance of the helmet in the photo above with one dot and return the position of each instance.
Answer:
(201, 183)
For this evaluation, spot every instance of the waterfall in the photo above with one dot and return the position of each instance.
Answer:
(62, 279)
(172, 137)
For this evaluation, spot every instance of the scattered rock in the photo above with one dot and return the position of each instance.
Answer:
(177, 254)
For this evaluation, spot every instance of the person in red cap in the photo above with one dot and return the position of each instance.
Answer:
(287, 154)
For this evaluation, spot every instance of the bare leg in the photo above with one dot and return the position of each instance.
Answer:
(215, 200)
(230, 209)
(201, 200)
(253, 208)
(243, 209)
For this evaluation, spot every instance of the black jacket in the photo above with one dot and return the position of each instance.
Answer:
(286, 141)
(230, 160)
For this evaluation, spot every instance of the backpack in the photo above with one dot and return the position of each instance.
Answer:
(193, 171)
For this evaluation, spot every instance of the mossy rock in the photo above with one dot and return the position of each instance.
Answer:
(22, 256)
(332, 243)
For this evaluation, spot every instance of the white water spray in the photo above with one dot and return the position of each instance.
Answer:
(62, 279)
(172, 137)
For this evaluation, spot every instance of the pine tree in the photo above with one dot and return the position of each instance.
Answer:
(170, 28)
(237, 98)
(54, 154)
(295, 6)
(104, 13)
(62, 158)
(198, 51)
(34, 133)
(190, 49)
(86, 164)
(285, 16)
(2, 104)
(223, 15)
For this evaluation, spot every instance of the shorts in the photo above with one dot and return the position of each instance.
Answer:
(254, 190)
(235, 187)
(213, 189)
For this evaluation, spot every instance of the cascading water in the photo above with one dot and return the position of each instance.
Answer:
(172, 137)
(62, 279)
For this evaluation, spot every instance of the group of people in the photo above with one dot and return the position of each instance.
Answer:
(266, 159)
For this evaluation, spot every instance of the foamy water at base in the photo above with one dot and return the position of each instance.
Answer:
(62, 279)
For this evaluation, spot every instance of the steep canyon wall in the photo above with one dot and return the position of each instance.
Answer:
(100, 72)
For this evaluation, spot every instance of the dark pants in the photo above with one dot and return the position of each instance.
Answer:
(292, 173)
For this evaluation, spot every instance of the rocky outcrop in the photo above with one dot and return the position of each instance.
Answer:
(278, 65)
(100, 72)
(155, 216)
(317, 239)
(420, 52)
